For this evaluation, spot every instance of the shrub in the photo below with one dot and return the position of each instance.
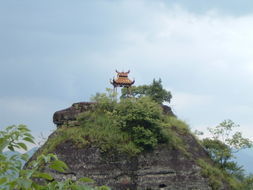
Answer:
(14, 176)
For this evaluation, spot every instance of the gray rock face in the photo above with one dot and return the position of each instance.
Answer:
(162, 168)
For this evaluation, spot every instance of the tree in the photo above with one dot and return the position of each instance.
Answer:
(223, 143)
(14, 176)
(155, 91)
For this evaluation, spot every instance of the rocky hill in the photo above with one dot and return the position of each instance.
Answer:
(110, 159)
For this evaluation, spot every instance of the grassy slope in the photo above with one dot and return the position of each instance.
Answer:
(105, 135)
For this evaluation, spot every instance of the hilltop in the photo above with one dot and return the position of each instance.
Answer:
(132, 144)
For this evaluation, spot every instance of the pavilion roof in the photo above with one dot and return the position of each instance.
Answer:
(122, 79)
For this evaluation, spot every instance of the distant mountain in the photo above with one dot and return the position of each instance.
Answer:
(245, 158)
(32, 151)
(29, 152)
(11, 153)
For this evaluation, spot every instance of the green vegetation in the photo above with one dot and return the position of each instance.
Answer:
(130, 126)
(155, 91)
(14, 176)
(221, 146)
(216, 176)
(223, 143)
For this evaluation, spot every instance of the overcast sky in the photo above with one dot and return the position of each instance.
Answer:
(55, 53)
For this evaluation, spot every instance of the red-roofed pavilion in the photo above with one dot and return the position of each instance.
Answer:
(122, 80)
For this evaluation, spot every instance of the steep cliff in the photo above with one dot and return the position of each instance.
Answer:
(177, 165)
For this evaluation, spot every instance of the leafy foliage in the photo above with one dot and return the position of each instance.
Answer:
(219, 152)
(224, 142)
(142, 119)
(155, 91)
(130, 126)
(224, 132)
(221, 146)
(14, 176)
(14, 137)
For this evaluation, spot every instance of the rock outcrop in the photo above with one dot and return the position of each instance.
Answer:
(68, 116)
(164, 167)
